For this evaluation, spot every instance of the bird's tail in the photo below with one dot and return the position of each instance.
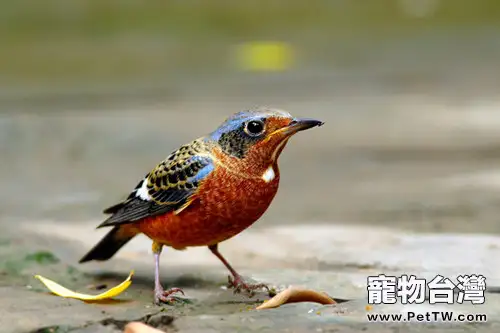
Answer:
(111, 243)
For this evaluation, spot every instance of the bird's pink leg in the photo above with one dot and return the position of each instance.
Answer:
(237, 282)
(161, 295)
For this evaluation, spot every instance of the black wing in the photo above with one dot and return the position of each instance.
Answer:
(168, 187)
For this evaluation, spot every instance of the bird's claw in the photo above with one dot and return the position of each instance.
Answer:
(164, 296)
(240, 285)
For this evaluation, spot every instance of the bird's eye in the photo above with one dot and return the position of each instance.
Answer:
(254, 127)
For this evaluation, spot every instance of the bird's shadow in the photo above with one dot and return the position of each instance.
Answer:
(182, 281)
(192, 281)
(211, 285)
(111, 301)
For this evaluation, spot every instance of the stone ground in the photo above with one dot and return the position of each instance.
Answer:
(328, 258)
(399, 183)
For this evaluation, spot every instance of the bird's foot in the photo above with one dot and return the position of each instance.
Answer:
(164, 296)
(240, 285)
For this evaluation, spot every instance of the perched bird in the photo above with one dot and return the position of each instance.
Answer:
(205, 192)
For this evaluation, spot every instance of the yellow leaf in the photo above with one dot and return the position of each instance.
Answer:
(64, 292)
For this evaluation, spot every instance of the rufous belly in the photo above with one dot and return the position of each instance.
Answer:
(224, 206)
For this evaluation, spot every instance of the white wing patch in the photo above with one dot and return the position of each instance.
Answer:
(142, 192)
(268, 174)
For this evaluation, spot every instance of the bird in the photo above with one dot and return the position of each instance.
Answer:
(205, 192)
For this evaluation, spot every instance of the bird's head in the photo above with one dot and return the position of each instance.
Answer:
(259, 135)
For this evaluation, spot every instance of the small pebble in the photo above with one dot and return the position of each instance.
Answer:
(136, 327)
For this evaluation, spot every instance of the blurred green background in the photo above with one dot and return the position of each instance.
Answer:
(55, 44)
(93, 93)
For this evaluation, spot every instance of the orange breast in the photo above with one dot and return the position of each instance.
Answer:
(225, 205)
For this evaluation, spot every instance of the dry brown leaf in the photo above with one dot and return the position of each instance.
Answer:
(295, 295)
(138, 327)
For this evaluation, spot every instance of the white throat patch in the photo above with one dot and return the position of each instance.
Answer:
(269, 174)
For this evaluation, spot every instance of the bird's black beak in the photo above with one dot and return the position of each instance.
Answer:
(301, 124)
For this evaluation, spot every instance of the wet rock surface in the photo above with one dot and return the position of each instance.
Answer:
(339, 269)
(410, 187)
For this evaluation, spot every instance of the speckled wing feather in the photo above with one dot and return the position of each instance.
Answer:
(170, 186)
